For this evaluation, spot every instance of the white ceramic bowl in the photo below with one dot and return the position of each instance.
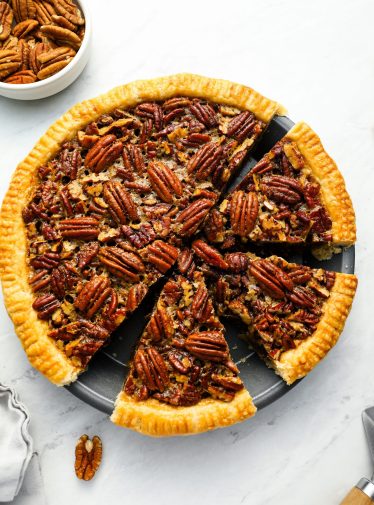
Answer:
(63, 78)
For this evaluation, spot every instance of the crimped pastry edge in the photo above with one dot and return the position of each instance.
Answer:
(40, 349)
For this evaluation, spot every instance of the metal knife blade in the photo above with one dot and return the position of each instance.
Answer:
(368, 421)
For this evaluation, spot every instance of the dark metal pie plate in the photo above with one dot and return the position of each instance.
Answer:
(103, 380)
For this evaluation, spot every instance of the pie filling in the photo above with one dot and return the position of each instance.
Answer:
(278, 201)
(280, 302)
(182, 356)
(112, 208)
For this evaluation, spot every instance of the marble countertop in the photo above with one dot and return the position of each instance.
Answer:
(308, 447)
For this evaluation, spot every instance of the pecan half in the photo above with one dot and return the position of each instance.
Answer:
(243, 212)
(133, 158)
(164, 181)
(80, 228)
(186, 263)
(122, 263)
(88, 454)
(45, 305)
(241, 125)
(294, 155)
(201, 308)
(22, 29)
(208, 345)
(84, 329)
(160, 325)
(266, 279)
(24, 51)
(46, 261)
(209, 254)
(6, 20)
(23, 9)
(205, 161)
(103, 153)
(228, 382)
(162, 255)
(61, 280)
(69, 162)
(10, 61)
(180, 361)
(204, 113)
(61, 35)
(237, 262)
(193, 215)
(44, 12)
(121, 205)
(93, 295)
(303, 297)
(53, 61)
(21, 77)
(151, 368)
(151, 111)
(69, 10)
(141, 236)
(282, 189)
(135, 296)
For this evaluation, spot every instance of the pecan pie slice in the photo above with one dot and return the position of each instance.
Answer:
(97, 211)
(294, 313)
(182, 379)
(294, 194)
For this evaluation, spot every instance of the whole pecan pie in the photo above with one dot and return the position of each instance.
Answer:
(129, 189)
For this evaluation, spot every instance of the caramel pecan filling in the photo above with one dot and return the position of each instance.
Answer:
(278, 201)
(113, 207)
(182, 355)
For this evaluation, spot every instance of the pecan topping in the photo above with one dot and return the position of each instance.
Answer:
(208, 345)
(23, 9)
(6, 20)
(180, 362)
(243, 212)
(162, 255)
(89, 331)
(271, 278)
(209, 254)
(132, 157)
(241, 125)
(151, 368)
(237, 262)
(46, 261)
(227, 382)
(69, 162)
(141, 236)
(205, 161)
(120, 202)
(186, 264)
(103, 153)
(122, 263)
(302, 297)
(10, 61)
(193, 216)
(87, 253)
(164, 181)
(81, 228)
(61, 279)
(135, 296)
(93, 295)
(45, 305)
(204, 113)
(88, 454)
(282, 189)
(201, 308)
(152, 111)
(160, 325)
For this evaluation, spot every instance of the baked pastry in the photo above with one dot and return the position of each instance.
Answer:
(294, 313)
(294, 194)
(107, 202)
(182, 379)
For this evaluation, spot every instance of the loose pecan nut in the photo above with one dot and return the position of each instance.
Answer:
(208, 345)
(241, 125)
(6, 20)
(69, 10)
(162, 255)
(151, 368)
(61, 35)
(243, 212)
(160, 325)
(21, 77)
(282, 189)
(24, 51)
(205, 161)
(22, 29)
(53, 61)
(23, 9)
(193, 216)
(209, 254)
(121, 205)
(88, 454)
(45, 305)
(80, 228)
(10, 61)
(93, 295)
(44, 12)
(122, 263)
(164, 181)
(63, 22)
(103, 153)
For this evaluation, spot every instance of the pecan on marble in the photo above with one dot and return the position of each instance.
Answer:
(62, 36)
(45, 305)
(122, 263)
(151, 368)
(204, 113)
(10, 61)
(21, 30)
(53, 61)
(21, 77)
(160, 325)
(237, 262)
(23, 9)
(208, 345)
(193, 215)
(151, 111)
(88, 454)
(80, 228)
(120, 203)
(103, 153)
(164, 181)
(162, 255)
(227, 382)
(209, 254)
(243, 212)
(93, 295)
(205, 161)
(133, 158)
(282, 189)
(6, 20)
(135, 296)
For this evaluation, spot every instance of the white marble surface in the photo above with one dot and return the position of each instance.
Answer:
(308, 447)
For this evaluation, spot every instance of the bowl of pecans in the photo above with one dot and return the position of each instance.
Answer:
(44, 46)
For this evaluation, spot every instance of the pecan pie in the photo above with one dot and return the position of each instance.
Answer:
(294, 194)
(182, 361)
(119, 191)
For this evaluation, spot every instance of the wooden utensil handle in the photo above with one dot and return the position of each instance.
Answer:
(356, 497)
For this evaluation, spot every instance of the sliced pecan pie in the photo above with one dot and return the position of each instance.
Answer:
(294, 194)
(294, 313)
(182, 378)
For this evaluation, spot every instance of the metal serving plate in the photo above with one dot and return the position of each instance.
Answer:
(103, 380)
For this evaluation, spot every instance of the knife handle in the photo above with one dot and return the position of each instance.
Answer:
(361, 494)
